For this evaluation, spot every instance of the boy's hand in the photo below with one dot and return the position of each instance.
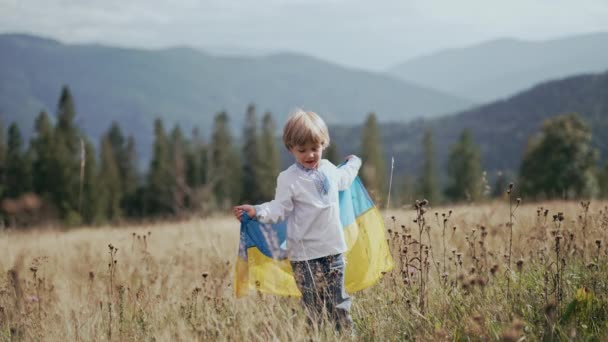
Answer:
(240, 209)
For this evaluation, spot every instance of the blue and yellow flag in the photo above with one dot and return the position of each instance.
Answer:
(262, 263)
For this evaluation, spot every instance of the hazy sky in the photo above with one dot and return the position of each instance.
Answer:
(361, 33)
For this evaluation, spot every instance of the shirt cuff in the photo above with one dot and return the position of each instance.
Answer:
(258, 210)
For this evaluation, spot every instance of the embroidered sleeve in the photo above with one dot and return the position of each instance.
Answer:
(348, 172)
(280, 207)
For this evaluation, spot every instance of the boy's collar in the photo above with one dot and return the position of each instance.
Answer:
(304, 168)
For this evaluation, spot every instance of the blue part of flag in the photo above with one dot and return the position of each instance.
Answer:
(353, 202)
(270, 239)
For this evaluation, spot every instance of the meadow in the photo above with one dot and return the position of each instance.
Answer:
(495, 271)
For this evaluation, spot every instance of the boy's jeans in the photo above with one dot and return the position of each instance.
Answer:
(321, 282)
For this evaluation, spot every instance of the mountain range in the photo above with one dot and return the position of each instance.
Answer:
(188, 86)
(501, 68)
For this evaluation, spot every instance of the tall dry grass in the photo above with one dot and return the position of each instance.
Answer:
(452, 281)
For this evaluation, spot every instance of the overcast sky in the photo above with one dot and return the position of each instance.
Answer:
(360, 33)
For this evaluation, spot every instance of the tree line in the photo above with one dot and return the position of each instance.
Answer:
(59, 176)
(559, 162)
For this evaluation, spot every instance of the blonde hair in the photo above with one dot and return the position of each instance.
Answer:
(305, 127)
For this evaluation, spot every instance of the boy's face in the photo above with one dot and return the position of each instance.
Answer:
(308, 155)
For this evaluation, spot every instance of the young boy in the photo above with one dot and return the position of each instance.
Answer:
(307, 196)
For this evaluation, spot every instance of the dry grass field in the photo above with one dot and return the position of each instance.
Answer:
(173, 281)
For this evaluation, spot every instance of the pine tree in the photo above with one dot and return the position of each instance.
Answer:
(178, 151)
(159, 189)
(67, 152)
(464, 170)
(125, 158)
(90, 204)
(117, 143)
(67, 130)
(132, 202)
(18, 170)
(373, 172)
(560, 162)
(252, 163)
(194, 160)
(109, 179)
(428, 184)
(129, 167)
(44, 168)
(270, 160)
(200, 191)
(224, 169)
(114, 163)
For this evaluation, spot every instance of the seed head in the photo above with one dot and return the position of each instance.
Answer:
(549, 308)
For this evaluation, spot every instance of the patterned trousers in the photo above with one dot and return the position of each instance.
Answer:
(321, 282)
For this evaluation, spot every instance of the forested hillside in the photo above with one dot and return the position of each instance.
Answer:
(501, 128)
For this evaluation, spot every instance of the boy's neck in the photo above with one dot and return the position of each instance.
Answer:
(302, 167)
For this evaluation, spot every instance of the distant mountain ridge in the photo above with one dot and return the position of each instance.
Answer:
(188, 86)
(501, 68)
(501, 128)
